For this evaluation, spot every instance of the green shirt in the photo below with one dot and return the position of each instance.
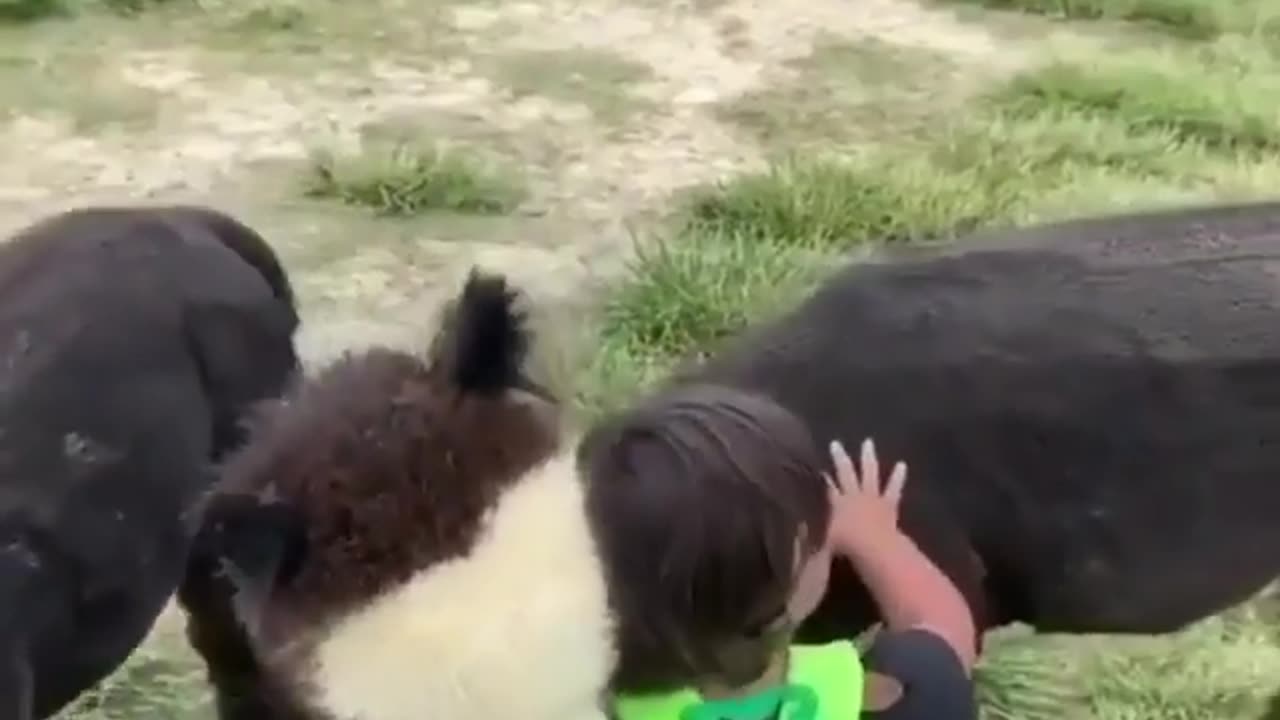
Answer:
(824, 682)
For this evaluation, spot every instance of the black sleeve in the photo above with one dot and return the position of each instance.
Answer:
(934, 683)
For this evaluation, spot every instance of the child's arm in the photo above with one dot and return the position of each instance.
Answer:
(909, 589)
(912, 592)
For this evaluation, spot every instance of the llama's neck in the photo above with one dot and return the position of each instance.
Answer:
(519, 628)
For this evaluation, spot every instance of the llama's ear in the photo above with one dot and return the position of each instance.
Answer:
(257, 544)
(483, 341)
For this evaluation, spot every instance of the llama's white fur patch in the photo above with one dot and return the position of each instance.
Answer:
(520, 628)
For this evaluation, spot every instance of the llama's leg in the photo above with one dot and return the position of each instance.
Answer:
(17, 688)
(241, 548)
(215, 633)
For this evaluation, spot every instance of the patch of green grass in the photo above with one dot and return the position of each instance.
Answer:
(1147, 123)
(162, 680)
(1219, 96)
(992, 172)
(1032, 677)
(597, 79)
(405, 178)
(1199, 19)
(744, 241)
(692, 290)
(684, 293)
(1226, 666)
(852, 203)
(754, 243)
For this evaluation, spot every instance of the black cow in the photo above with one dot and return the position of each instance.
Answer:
(1091, 412)
(131, 342)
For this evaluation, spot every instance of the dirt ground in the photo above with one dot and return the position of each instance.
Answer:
(607, 106)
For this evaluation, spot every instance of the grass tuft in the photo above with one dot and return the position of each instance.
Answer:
(1223, 100)
(843, 204)
(1029, 679)
(1144, 118)
(682, 294)
(162, 680)
(695, 289)
(405, 178)
(989, 173)
(1223, 667)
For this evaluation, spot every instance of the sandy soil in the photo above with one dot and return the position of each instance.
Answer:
(216, 135)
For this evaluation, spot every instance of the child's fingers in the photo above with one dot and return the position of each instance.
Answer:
(843, 465)
(833, 485)
(870, 465)
(897, 482)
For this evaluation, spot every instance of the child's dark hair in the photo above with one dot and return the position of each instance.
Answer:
(697, 499)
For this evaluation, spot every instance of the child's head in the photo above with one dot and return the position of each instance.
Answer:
(711, 512)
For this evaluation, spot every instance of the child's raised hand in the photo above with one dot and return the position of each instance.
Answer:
(862, 513)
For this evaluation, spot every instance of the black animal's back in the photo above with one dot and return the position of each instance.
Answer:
(1091, 408)
(107, 427)
(128, 276)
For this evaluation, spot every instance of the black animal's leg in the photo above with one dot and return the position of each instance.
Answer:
(22, 614)
(214, 632)
(241, 541)
(17, 688)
